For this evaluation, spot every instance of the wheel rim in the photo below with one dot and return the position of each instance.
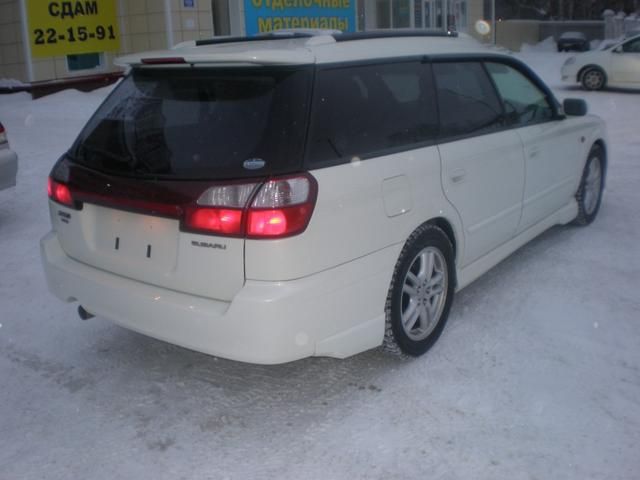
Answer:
(592, 186)
(424, 293)
(593, 79)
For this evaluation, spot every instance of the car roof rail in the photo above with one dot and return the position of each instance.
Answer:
(336, 34)
(276, 35)
(391, 33)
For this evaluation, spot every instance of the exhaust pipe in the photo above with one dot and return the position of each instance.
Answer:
(84, 315)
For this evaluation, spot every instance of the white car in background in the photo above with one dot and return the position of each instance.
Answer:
(8, 162)
(616, 66)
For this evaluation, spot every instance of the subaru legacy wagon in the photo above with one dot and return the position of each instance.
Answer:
(311, 193)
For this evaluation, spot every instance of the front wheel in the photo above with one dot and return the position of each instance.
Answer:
(589, 194)
(420, 293)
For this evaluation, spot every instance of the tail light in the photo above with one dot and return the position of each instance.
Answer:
(59, 192)
(282, 207)
(278, 208)
(4, 143)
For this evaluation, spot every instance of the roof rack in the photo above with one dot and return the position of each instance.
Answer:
(368, 35)
(277, 35)
(337, 35)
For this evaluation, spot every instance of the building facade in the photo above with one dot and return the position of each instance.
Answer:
(53, 40)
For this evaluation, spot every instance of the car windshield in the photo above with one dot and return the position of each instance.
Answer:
(573, 35)
(200, 123)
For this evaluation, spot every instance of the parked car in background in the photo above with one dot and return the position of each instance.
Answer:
(312, 194)
(576, 41)
(8, 162)
(616, 66)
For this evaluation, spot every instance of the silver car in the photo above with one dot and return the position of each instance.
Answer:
(8, 162)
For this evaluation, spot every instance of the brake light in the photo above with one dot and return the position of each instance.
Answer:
(267, 222)
(4, 143)
(163, 60)
(281, 207)
(214, 220)
(59, 192)
(276, 208)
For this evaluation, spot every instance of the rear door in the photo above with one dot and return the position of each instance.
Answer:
(157, 144)
(482, 163)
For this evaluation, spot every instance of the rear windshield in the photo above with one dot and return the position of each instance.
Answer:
(200, 124)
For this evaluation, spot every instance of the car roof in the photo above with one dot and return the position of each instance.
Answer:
(299, 47)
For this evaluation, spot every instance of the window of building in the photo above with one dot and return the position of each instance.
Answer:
(84, 61)
(467, 100)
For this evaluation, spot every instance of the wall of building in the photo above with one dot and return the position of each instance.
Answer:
(512, 34)
(144, 25)
(153, 25)
(190, 23)
(12, 55)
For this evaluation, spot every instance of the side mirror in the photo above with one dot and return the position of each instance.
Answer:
(575, 107)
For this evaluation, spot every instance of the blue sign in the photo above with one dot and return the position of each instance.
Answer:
(263, 16)
(189, 3)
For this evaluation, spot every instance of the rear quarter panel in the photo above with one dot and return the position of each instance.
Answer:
(362, 207)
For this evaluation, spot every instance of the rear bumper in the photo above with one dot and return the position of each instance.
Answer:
(338, 312)
(8, 168)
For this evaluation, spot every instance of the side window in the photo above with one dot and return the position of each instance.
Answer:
(467, 100)
(632, 46)
(524, 102)
(360, 110)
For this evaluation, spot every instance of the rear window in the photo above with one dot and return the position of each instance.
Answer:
(369, 109)
(468, 102)
(200, 124)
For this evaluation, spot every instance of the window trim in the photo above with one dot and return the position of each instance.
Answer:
(429, 60)
(516, 65)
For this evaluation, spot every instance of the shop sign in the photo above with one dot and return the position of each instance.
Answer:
(58, 28)
(263, 16)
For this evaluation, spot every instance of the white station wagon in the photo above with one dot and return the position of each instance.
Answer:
(615, 66)
(311, 193)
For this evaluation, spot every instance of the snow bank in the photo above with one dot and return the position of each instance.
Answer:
(547, 45)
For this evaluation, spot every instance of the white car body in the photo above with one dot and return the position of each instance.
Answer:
(8, 162)
(322, 292)
(620, 64)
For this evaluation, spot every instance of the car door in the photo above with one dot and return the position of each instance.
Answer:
(482, 163)
(625, 63)
(550, 144)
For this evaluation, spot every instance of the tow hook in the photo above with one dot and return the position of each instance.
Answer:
(84, 315)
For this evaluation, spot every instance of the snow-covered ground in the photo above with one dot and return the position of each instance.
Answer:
(537, 375)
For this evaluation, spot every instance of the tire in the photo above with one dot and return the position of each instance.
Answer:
(589, 194)
(594, 79)
(423, 283)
